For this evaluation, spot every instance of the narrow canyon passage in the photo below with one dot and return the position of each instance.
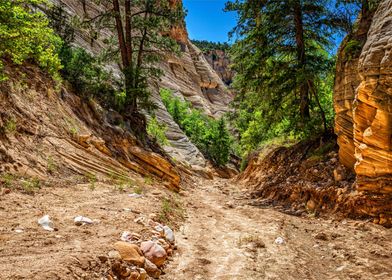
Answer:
(223, 238)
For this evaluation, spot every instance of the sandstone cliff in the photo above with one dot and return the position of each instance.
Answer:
(50, 134)
(346, 82)
(363, 103)
(189, 76)
(220, 62)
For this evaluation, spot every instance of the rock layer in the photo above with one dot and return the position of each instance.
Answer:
(363, 104)
(373, 107)
(346, 83)
(188, 76)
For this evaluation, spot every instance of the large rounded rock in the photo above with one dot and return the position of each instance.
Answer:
(130, 253)
(154, 252)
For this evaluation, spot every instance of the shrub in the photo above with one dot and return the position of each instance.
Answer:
(87, 76)
(25, 34)
(210, 136)
(157, 131)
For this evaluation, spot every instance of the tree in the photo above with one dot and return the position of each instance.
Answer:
(25, 35)
(141, 29)
(282, 56)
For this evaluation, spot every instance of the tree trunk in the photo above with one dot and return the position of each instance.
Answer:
(301, 57)
(128, 31)
(120, 34)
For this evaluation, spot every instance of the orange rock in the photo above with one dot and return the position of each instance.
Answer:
(130, 252)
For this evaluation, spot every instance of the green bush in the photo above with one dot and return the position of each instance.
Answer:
(157, 131)
(25, 35)
(87, 76)
(210, 46)
(210, 136)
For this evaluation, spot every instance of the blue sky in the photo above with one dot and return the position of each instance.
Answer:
(206, 20)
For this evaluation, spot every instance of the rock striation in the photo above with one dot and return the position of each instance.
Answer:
(346, 83)
(363, 103)
(188, 76)
(373, 107)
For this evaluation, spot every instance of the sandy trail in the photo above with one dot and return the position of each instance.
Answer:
(222, 237)
(217, 242)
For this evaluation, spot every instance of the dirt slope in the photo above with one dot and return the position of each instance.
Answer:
(48, 133)
(223, 239)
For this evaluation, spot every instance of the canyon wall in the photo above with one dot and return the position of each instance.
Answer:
(363, 103)
(373, 106)
(220, 62)
(189, 76)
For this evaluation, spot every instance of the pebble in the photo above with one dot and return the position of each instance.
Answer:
(113, 254)
(135, 195)
(279, 241)
(340, 268)
(130, 236)
(46, 223)
(80, 220)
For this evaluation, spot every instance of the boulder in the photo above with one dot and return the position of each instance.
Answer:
(130, 253)
(154, 252)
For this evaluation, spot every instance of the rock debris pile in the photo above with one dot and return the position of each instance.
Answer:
(139, 258)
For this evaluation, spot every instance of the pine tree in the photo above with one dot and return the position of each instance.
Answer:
(281, 56)
(141, 29)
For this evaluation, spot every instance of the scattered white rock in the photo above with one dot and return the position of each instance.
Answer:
(80, 220)
(129, 236)
(169, 234)
(135, 195)
(46, 223)
(340, 268)
(158, 228)
(279, 240)
(18, 230)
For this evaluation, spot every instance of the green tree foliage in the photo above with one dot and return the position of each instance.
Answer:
(283, 67)
(210, 136)
(140, 41)
(25, 35)
(88, 77)
(206, 46)
(157, 131)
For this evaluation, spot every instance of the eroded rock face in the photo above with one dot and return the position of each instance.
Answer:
(188, 76)
(363, 104)
(220, 62)
(373, 106)
(346, 83)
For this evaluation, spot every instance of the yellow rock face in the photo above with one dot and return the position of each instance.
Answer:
(363, 105)
(372, 114)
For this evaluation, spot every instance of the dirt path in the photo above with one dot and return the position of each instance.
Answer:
(223, 239)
